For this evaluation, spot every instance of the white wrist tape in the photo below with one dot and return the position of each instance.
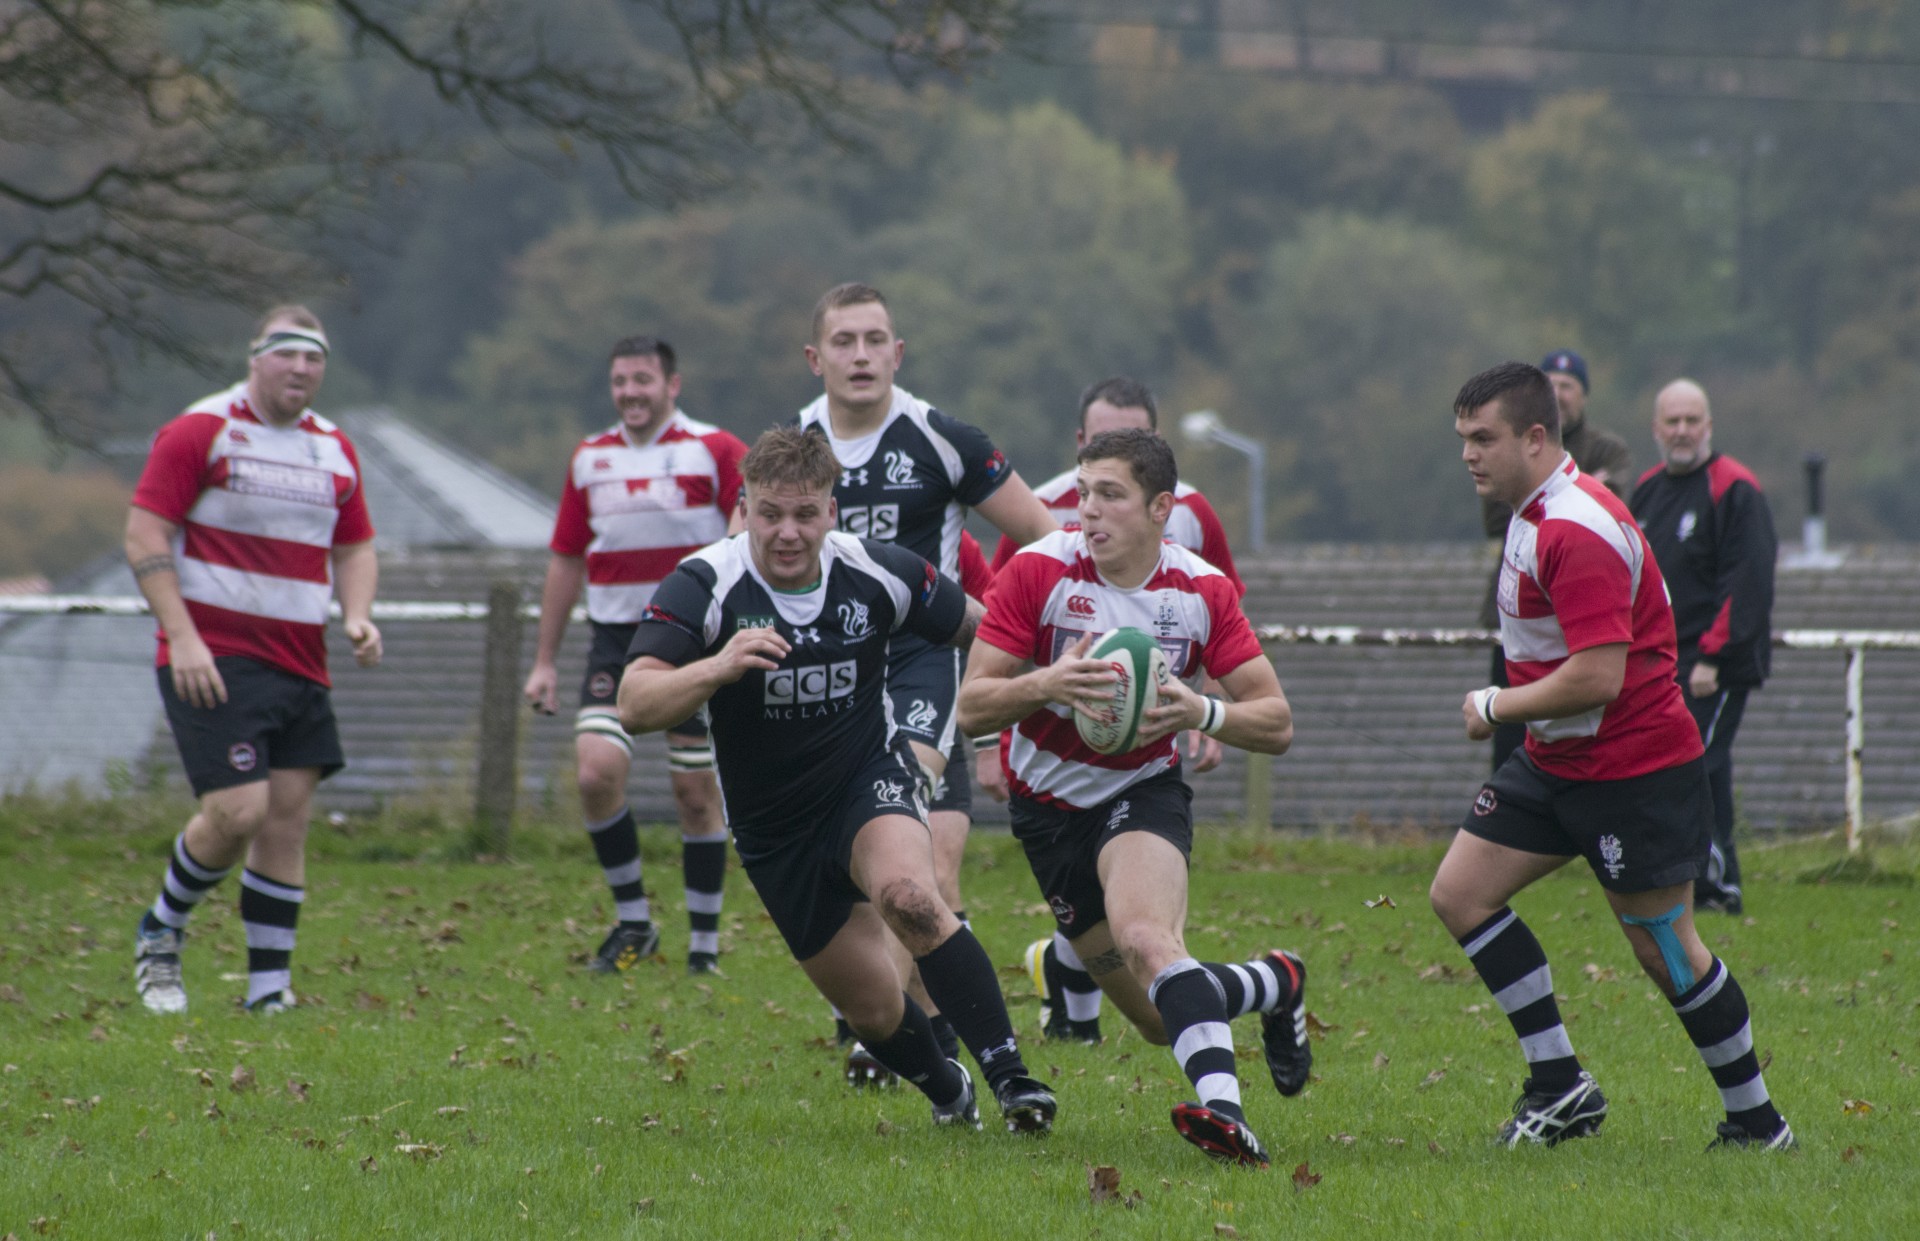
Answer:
(1483, 703)
(1216, 717)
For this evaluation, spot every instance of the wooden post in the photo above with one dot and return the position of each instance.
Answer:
(1260, 791)
(496, 786)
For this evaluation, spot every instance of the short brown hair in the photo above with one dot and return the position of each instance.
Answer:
(791, 457)
(1121, 393)
(1148, 455)
(645, 346)
(852, 293)
(293, 312)
(1524, 392)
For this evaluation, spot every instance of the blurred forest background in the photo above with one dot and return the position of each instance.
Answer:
(1315, 218)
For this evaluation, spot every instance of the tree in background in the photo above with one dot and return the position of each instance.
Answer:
(162, 157)
(52, 522)
(1350, 356)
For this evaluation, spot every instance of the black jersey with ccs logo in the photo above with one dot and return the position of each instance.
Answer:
(787, 742)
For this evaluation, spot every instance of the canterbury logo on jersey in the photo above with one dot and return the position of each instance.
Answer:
(878, 521)
(815, 683)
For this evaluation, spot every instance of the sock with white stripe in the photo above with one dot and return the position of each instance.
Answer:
(616, 843)
(1514, 966)
(1193, 1009)
(270, 911)
(1079, 992)
(186, 884)
(1255, 987)
(1714, 1011)
(704, 860)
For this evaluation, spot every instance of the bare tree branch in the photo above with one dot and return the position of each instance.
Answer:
(158, 156)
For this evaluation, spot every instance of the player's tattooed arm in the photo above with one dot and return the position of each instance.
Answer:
(969, 624)
(150, 565)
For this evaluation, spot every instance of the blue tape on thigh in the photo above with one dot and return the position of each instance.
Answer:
(1679, 969)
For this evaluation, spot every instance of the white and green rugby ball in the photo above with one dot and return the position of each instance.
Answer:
(1143, 669)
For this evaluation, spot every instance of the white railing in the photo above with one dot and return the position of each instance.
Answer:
(1855, 642)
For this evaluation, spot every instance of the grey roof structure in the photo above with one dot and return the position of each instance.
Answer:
(426, 493)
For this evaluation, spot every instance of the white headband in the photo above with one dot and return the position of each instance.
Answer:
(290, 338)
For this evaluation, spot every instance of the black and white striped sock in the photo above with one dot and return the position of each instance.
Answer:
(1255, 987)
(1714, 1011)
(186, 884)
(271, 911)
(1079, 993)
(704, 861)
(1193, 1009)
(1514, 966)
(616, 843)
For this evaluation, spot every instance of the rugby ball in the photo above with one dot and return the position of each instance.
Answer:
(1142, 669)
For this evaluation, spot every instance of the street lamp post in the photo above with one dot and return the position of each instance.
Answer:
(1204, 426)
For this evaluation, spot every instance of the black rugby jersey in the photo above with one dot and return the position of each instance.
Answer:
(787, 742)
(913, 481)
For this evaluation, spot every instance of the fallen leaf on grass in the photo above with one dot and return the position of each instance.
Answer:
(449, 1111)
(1316, 1027)
(1380, 1061)
(1103, 1183)
(298, 1090)
(643, 1206)
(205, 1078)
(240, 1079)
(11, 994)
(1850, 1154)
(1343, 1139)
(422, 1151)
(1432, 1079)
(1382, 901)
(1855, 1107)
(1226, 1230)
(98, 1034)
(883, 1127)
(369, 1164)
(1435, 1148)
(1304, 1178)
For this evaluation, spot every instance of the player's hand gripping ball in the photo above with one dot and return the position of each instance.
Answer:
(1142, 669)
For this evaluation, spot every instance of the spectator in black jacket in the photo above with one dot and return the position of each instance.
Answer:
(1602, 454)
(1712, 532)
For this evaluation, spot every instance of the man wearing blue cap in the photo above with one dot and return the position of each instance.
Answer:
(1601, 454)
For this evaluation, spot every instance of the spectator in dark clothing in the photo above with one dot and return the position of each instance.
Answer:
(1712, 532)
(1601, 454)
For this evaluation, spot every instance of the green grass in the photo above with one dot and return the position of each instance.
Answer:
(444, 1009)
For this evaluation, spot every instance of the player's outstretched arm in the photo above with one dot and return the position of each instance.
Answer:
(1257, 718)
(565, 574)
(997, 694)
(655, 695)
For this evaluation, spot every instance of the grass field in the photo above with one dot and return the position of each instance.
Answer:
(454, 1073)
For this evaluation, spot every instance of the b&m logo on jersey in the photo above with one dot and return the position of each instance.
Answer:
(810, 690)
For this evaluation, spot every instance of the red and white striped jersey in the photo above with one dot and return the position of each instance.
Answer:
(1048, 597)
(637, 510)
(1577, 573)
(1193, 524)
(260, 510)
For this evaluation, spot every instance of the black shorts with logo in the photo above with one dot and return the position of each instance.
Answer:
(607, 662)
(271, 720)
(803, 875)
(1638, 834)
(923, 685)
(1063, 846)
